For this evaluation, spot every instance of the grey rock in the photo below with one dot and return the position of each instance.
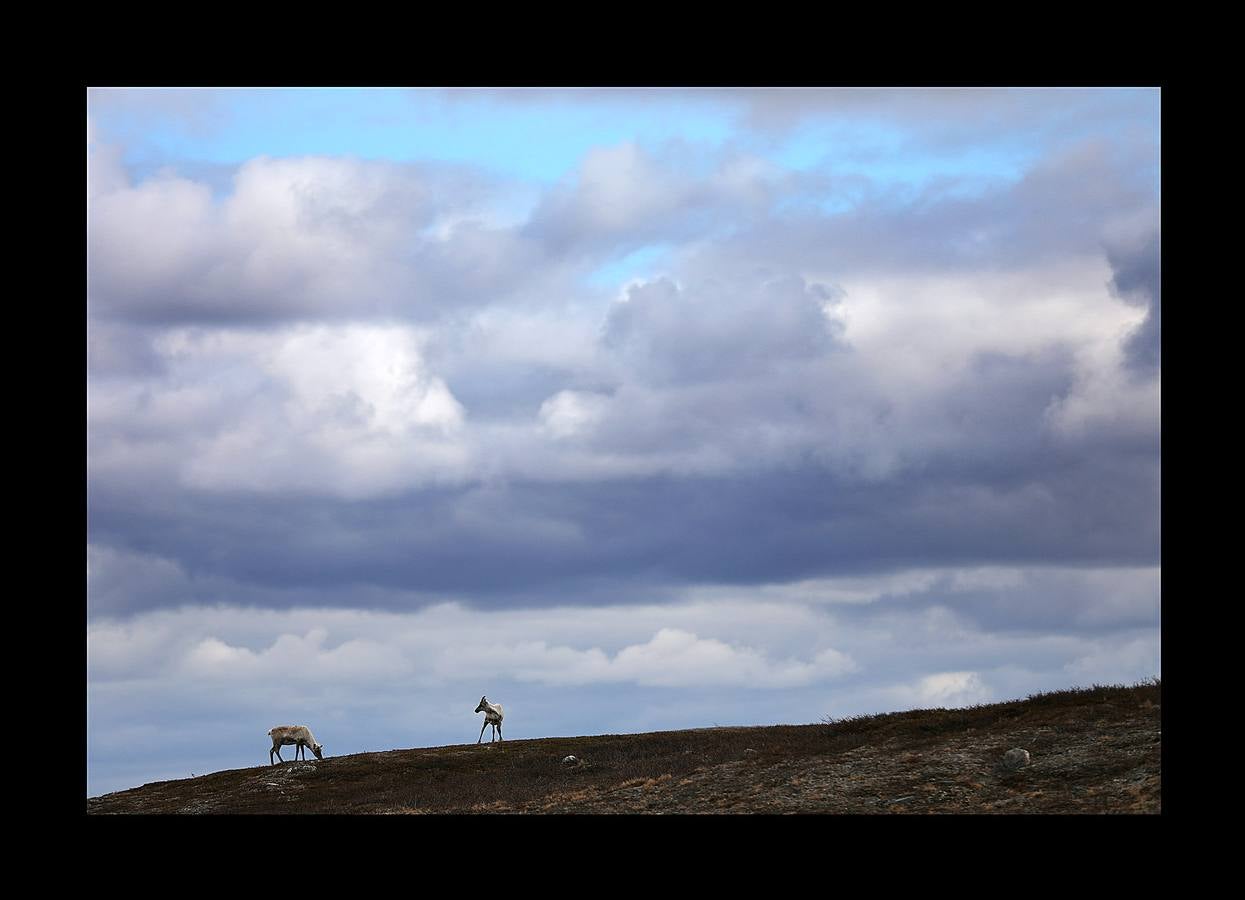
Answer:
(1015, 758)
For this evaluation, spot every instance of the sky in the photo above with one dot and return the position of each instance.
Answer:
(631, 409)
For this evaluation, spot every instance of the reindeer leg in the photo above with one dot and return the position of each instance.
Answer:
(499, 731)
(278, 751)
(481, 737)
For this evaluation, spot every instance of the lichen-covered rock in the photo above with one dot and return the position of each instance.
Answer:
(569, 761)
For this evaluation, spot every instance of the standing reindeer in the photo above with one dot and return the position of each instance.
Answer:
(492, 716)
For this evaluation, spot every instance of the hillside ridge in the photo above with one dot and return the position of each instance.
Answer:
(1091, 750)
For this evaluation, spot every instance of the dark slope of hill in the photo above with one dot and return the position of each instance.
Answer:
(1096, 750)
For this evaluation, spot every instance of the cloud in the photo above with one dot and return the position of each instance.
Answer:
(114, 350)
(1040, 599)
(674, 657)
(701, 645)
(352, 408)
(949, 689)
(356, 660)
(625, 196)
(567, 413)
(449, 644)
(945, 114)
(1056, 211)
(1137, 279)
(375, 372)
(120, 582)
(1118, 658)
(532, 542)
(705, 379)
(296, 238)
(671, 658)
(720, 330)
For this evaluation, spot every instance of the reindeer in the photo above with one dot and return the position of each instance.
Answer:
(299, 735)
(492, 716)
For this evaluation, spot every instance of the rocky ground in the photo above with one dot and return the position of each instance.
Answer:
(1090, 751)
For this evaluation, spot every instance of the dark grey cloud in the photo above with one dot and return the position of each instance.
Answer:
(1138, 279)
(121, 582)
(531, 542)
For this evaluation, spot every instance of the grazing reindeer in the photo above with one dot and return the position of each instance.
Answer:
(492, 716)
(299, 735)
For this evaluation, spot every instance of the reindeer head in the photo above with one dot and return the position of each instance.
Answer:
(483, 707)
(318, 750)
